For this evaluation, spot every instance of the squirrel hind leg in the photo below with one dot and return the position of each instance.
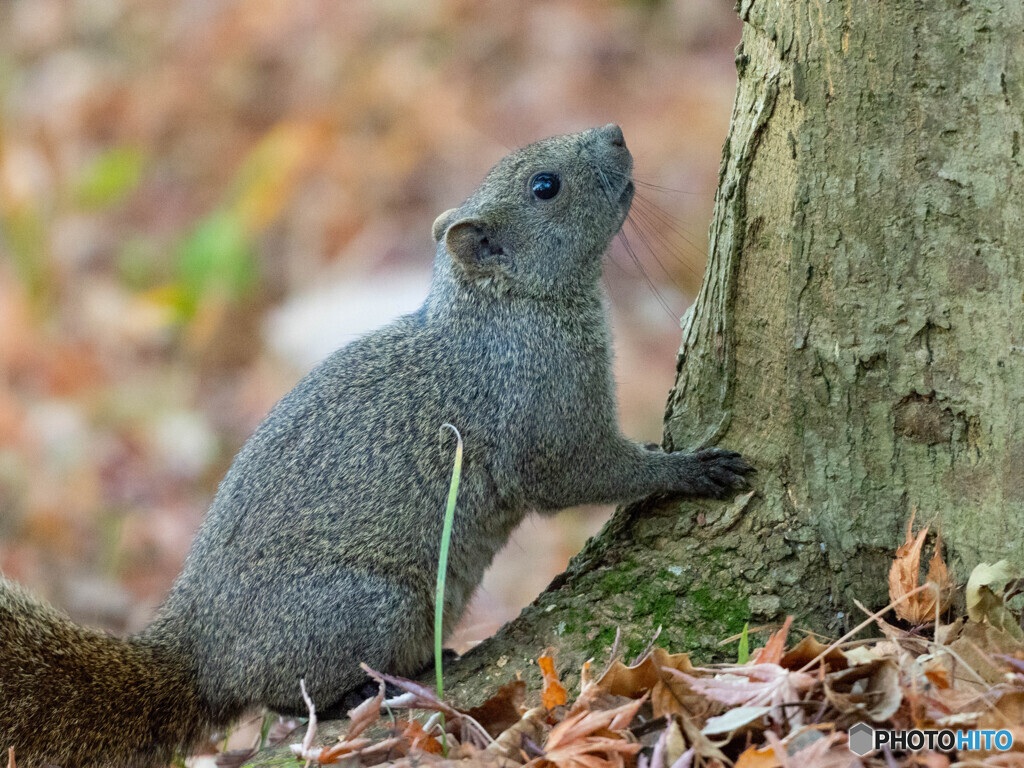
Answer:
(334, 623)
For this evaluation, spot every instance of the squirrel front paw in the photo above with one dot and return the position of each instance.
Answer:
(711, 472)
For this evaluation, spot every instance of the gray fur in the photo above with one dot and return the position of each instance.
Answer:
(320, 549)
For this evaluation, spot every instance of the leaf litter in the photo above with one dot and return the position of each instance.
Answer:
(782, 709)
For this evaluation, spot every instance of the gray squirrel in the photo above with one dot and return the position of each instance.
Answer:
(320, 549)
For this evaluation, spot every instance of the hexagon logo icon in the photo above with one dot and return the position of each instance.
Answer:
(862, 739)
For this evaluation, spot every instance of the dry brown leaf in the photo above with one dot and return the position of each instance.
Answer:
(821, 751)
(809, 649)
(576, 741)
(979, 645)
(553, 693)
(702, 746)
(584, 723)
(509, 743)
(1007, 713)
(937, 670)
(366, 714)
(775, 647)
(669, 694)
(413, 732)
(905, 575)
(587, 739)
(503, 710)
(758, 757)
(867, 690)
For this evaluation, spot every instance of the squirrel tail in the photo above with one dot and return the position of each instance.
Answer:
(80, 698)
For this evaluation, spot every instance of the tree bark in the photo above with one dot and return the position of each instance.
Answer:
(859, 336)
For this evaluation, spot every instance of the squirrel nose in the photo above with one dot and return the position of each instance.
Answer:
(613, 134)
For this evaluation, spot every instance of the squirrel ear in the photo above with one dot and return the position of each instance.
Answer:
(468, 241)
(441, 223)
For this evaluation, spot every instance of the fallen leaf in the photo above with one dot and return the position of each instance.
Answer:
(905, 575)
(418, 738)
(1007, 713)
(775, 647)
(757, 685)
(754, 757)
(669, 693)
(984, 594)
(530, 727)
(809, 649)
(869, 690)
(503, 710)
(553, 693)
(979, 646)
(588, 739)
(733, 720)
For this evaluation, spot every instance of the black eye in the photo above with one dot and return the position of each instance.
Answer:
(545, 185)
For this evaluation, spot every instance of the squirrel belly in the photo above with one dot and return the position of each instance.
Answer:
(320, 548)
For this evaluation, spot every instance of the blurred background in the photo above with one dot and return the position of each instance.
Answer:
(200, 199)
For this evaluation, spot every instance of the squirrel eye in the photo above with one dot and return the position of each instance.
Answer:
(545, 186)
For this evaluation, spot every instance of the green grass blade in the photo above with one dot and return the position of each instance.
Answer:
(442, 569)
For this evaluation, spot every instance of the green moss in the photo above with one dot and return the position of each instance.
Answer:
(715, 613)
(575, 620)
(659, 605)
(599, 645)
(618, 580)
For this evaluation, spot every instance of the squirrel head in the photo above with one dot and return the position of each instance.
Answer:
(543, 217)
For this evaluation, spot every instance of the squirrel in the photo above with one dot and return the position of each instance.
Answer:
(320, 548)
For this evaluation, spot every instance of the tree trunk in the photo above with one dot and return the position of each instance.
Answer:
(859, 336)
(861, 326)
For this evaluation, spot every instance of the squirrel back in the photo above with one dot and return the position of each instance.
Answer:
(320, 549)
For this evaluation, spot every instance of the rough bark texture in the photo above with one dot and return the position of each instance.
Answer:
(859, 335)
(860, 328)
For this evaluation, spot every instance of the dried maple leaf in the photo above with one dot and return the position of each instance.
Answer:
(758, 757)
(775, 647)
(503, 710)
(418, 738)
(810, 649)
(669, 694)
(589, 740)
(419, 696)
(872, 690)
(671, 746)
(530, 727)
(756, 685)
(905, 574)
(553, 693)
(592, 752)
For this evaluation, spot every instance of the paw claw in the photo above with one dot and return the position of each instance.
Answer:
(714, 473)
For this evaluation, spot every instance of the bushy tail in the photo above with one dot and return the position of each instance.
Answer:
(79, 698)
